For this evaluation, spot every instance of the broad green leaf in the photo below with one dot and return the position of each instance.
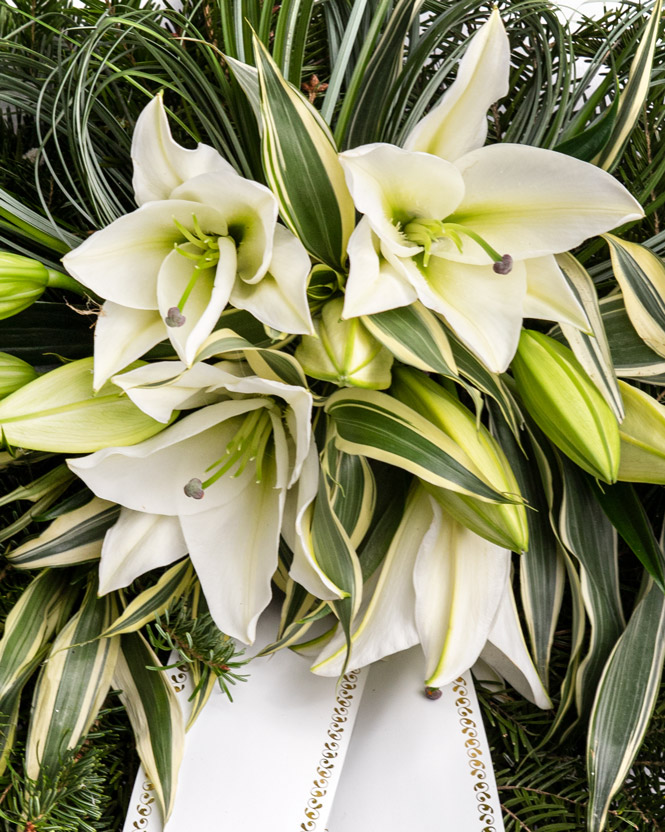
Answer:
(641, 276)
(591, 142)
(388, 512)
(75, 537)
(591, 349)
(72, 685)
(631, 356)
(353, 492)
(46, 330)
(624, 702)
(60, 412)
(634, 94)
(302, 167)
(155, 716)
(248, 78)
(628, 516)
(38, 508)
(153, 601)
(414, 336)
(378, 426)
(587, 533)
(9, 713)
(40, 487)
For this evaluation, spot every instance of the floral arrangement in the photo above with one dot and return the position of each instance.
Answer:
(350, 366)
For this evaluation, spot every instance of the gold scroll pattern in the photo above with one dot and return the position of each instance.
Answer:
(147, 799)
(474, 752)
(330, 751)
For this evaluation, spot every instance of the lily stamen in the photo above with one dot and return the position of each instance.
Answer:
(425, 232)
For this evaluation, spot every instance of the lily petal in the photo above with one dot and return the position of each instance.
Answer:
(136, 543)
(121, 262)
(507, 654)
(483, 308)
(234, 551)
(386, 624)
(529, 202)
(374, 285)
(250, 210)
(160, 163)
(151, 476)
(392, 186)
(549, 296)
(279, 299)
(121, 336)
(459, 579)
(206, 301)
(458, 124)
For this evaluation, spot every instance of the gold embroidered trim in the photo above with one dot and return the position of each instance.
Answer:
(330, 751)
(477, 767)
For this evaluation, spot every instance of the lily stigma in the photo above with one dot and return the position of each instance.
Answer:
(425, 232)
(248, 444)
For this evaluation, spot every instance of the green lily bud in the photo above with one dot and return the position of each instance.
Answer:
(504, 523)
(566, 405)
(344, 352)
(60, 412)
(642, 435)
(22, 282)
(14, 373)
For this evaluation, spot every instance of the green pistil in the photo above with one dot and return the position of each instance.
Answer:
(424, 232)
(206, 257)
(248, 444)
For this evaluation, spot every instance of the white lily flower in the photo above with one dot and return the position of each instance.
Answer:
(445, 587)
(214, 486)
(470, 230)
(203, 237)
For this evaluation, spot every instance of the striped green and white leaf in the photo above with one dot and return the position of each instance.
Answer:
(414, 336)
(74, 537)
(40, 487)
(631, 356)
(588, 534)
(155, 716)
(9, 711)
(641, 276)
(39, 507)
(72, 684)
(353, 491)
(302, 168)
(591, 348)
(634, 94)
(624, 703)
(152, 601)
(378, 426)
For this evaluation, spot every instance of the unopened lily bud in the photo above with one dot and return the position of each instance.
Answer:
(22, 282)
(59, 412)
(642, 435)
(14, 373)
(502, 523)
(344, 352)
(566, 405)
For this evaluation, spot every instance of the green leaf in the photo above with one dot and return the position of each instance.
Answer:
(591, 142)
(45, 331)
(626, 513)
(155, 715)
(353, 492)
(72, 685)
(378, 426)
(632, 358)
(74, 537)
(624, 702)
(302, 168)
(152, 601)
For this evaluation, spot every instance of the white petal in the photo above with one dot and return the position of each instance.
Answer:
(151, 476)
(549, 296)
(527, 202)
(121, 336)
(458, 123)
(250, 210)
(390, 186)
(160, 163)
(295, 529)
(234, 551)
(279, 299)
(164, 386)
(460, 579)
(373, 284)
(386, 624)
(484, 309)
(506, 652)
(136, 544)
(206, 302)
(121, 262)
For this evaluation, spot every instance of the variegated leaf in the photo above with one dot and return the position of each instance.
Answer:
(631, 356)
